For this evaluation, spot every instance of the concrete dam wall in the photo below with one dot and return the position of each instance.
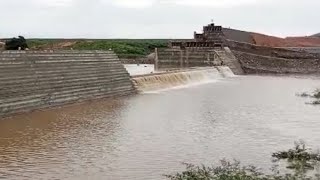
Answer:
(177, 58)
(261, 59)
(167, 59)
(31, 80)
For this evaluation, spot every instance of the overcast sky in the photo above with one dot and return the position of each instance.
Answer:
(154, 18)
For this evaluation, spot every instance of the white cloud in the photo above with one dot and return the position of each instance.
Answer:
(154, 18)
(197, 3)
(53, 3)
(210, 3)
(132, 3)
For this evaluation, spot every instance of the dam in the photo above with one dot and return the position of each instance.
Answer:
(82, 114)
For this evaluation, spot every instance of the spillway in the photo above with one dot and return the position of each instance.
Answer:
(191, 77)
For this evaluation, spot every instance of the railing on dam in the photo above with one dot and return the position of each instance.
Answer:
(36, 79)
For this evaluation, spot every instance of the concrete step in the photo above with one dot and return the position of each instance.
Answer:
(31, 80)
(64, 95)
(47, 91)
(56, 79)
(33, 74)
(39, 103)
(59, 62)
(16, 88)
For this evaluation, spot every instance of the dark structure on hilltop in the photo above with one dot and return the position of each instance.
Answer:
(212, 37)
(316, 35)
(19, 43)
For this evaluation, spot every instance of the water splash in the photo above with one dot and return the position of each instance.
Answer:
(181, 79)
(225, 71)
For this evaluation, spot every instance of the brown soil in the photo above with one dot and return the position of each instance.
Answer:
(57, 45)
(265, 40)
(271, 41)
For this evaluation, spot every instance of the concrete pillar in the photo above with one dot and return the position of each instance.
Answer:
(187, 59)
(156, 60)
(181, 59)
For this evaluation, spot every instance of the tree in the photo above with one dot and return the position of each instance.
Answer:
(19, 43)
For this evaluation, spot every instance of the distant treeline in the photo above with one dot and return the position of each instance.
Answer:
(126, 48)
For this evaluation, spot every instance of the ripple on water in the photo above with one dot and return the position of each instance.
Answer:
(145, 136)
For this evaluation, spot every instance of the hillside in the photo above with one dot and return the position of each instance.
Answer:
(271, 41)
(316, 35)
(238, 35)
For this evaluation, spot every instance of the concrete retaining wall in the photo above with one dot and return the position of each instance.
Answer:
(261, 59)
(252, 63)
(270, 51)
(307, 49)
(37, 79)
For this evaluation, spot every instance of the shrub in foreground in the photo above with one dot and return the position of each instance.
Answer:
(314, 95)
(300, 160)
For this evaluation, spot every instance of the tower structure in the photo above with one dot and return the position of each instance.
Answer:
(212, 37)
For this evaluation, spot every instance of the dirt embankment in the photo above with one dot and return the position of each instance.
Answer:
(264, 40)
(271, 41)
(57, 45)
(263, 59)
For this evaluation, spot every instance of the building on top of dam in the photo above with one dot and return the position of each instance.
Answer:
(218, 46)
(206, 49)
(212, 37)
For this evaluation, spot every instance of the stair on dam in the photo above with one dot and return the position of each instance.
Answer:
(31, 80)
(228, 59)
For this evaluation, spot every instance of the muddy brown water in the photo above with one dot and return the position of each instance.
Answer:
(148, 135)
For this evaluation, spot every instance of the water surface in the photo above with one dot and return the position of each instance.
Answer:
(147, 135)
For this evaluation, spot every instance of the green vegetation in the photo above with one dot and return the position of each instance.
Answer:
(300, 160)
(126, 48)
(41, 43)
(315, 95)
(14, 43)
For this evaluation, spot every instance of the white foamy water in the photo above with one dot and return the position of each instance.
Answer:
(225, 71)
(181, 79)
(141, 69)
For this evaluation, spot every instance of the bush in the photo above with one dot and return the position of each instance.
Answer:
(315, 95)
(126, 48)
(299, 159)
(19, 43)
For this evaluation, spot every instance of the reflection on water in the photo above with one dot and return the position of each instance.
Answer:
(145, 136)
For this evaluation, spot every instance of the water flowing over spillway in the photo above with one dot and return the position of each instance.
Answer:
(225, 71)
(181, 78)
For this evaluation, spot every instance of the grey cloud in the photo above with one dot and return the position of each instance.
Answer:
(97, 19)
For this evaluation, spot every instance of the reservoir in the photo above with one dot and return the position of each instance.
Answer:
(150, 134)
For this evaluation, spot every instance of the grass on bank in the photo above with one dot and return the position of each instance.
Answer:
(125, 48)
